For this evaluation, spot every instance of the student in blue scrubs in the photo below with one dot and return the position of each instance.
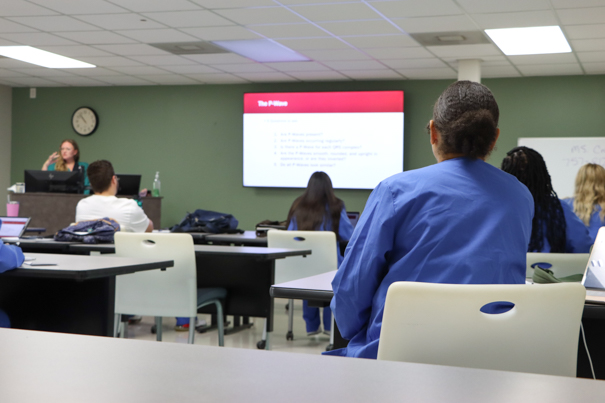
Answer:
(11, 257)
(318, 209)
(459, 221)
(555, 227)
(589, 198)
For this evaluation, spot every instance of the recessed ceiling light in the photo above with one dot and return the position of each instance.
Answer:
(529, 41)
(42, 58)
(262, 50)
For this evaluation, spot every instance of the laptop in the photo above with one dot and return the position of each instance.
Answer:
(353, 217)
(13, 227)
(594, 275)
(128, 185)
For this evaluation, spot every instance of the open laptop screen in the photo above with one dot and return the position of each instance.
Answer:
(13, 226)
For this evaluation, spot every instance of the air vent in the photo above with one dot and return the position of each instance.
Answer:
(190, 48)
(451, 38)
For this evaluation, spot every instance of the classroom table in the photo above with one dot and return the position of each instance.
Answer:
(52, 367)
(74, 296)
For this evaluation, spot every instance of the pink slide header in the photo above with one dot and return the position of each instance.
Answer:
(324, 102)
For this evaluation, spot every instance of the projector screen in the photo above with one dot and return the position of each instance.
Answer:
(355, 137)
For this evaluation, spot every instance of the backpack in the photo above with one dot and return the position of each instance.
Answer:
(92, 231)
(207, 221)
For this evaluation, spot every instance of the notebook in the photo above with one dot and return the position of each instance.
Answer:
(594, 275)
(13, 227)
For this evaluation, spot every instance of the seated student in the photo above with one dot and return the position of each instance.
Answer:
(589, 198)
(460, 221)
(555, 227)
(11, 257)
(318, 209)
(104, 202)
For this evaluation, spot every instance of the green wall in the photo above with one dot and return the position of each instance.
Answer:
(193, 134)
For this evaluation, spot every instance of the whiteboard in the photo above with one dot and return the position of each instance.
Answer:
(564, 156)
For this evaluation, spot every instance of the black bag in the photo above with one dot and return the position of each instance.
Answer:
(207, 221)
(263, 226)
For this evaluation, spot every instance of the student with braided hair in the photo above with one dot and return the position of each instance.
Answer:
(555, 227)
(589, 198)
(460, 221)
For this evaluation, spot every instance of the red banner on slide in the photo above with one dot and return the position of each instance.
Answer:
(324, 102)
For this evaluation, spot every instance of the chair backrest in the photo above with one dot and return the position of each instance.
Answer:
(442, 324)
(323, 257)
(563, 264)
(172, 292)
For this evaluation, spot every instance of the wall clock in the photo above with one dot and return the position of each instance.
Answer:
(85, 121)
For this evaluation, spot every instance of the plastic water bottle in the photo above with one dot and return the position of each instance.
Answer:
(156, 185)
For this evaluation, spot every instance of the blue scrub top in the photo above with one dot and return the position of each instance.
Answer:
(461, 221)
(576, 234)
(595, 222)
(345, 228)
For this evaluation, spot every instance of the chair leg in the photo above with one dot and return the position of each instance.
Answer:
(158, 326)
(332, 331)
(290, 334)
(220, 324)
(191, 330)
(116, 324)
(124, 332)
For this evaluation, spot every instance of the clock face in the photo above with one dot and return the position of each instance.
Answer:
(85, 121)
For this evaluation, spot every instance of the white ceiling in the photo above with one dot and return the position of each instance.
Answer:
(345, 39)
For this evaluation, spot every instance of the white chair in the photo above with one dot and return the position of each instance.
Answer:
(172, 292)
(563, 264)
(323, 259)
(442, 324)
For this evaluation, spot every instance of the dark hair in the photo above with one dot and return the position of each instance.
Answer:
(466, 116)
(529, 167)
(100, 174)
(317, 205)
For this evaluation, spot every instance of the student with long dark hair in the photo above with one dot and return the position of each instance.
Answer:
(318, 209)
(555, 227)
(460, 221)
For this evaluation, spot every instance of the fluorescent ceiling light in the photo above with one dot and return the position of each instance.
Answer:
(262, 50)
(42, 58)
(529, 41)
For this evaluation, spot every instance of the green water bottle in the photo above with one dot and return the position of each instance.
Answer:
(156, 185)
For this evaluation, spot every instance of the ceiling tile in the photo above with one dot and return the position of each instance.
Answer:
(399, 53)
(95, 37)
(22, 8)
(54, 23)
(124, 80)
(415, 8)
(266, 77)
(212, 4)
(222, 78)
(191, 69)
(189, 19)
(10, 73)
(337, 54)
(243, 68)
(96, 72)
(516, 20)
(594, 68)
(436, 24)
(320, 76)
(6, 42)
(165, 60)
(499, 71)
(139, 70)
(356, 65)
(465, 51)
(75, 51)
(171, 79)
(36, 71)
(37, 39)
(415, 63)
(381, 41)
(372, 74)
(576, 3)
(35, 82)
(499, 6)
(262, 15)
(120, 21)
(297, 66)
(130, 50)
(429, 74)
(220, 58)
(6, 82)
(109, 61)
(587, 45)
(336, 12)
(303, 30)
(591, 57)
(221, 33)
(589, 31)
(560, 58)
(550, 69)
(373, 27)
(158, 35)
(314, 43)
(79, 7)
(80, 81)
(592, 15)
(13, 27)
(141, 6)
(7, 63)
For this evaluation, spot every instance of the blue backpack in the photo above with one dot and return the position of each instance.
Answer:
(207, 221)
(93, 231)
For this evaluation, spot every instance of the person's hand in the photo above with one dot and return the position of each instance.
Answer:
(51, 159)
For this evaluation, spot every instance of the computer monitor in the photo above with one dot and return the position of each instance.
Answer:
(128, 184)
(54, 181)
